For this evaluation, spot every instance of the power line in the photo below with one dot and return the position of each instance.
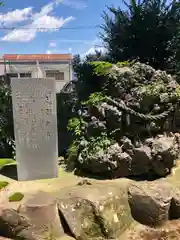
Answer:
(99, 46)
(43, 29)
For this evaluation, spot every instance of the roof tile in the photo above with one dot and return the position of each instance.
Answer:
(37, 57)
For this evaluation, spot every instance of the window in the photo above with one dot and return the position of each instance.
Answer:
(13, 75)
(59, 76)
(25, 75)
(9, 76)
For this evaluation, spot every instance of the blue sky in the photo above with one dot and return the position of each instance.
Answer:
(33, 14)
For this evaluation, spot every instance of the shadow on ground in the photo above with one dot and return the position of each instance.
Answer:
(144, 177)
(10, 171)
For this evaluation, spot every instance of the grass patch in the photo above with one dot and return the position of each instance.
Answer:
(3, 184)
(5, 161)
(16, 197)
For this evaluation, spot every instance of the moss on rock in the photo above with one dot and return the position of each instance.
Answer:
(3, 184)
(16, 197)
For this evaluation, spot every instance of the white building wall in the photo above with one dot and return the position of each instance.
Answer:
(39, 70)
(2, 67)
(66, 68)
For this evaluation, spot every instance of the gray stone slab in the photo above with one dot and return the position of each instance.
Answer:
(35, 127)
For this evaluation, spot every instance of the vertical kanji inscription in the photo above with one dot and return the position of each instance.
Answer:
(35, 127)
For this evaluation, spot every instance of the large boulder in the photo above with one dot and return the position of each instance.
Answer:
(42, 213)
(11, 222)
(36, 218)
(111, 162)
(72, 214)
(165, 151)
(150, 202)
(97, 211)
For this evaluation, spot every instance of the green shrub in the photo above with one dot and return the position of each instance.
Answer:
(101, 67)
(94, 99)
(16, 197)
(5, 161)
(3, 184)
(75, 124)
(6, 122)
(96, 144)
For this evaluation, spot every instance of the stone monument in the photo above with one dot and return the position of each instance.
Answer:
(35, 127)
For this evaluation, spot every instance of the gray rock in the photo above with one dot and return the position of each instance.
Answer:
(141, 160)
(95, 127)
(112, 162)
(41, 211)
(155, 156)
(149, 141)
(143, 71)
(164, 153)
(175, 204)
(97, 211)
(177, 137)
(150, 202)
(127, 144)
(11, 222)
(124, 165)
(73, 211)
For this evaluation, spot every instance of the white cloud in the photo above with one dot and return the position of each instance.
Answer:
(48, 52)
(15, 16)
(90, 51)
(41, 22)
(74, 41)
(93, 50)
(78, 4)
(45, 10)
(52, 44)
(21, 35)
(96, 45)
(50, 23)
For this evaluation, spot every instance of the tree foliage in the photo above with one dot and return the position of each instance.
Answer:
(6, 122)
(66, 109)
(88, 82)
(143, 31)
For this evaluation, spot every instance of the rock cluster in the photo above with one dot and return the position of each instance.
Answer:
(85, 212)
(117, 129)
(156, 156)
(145, 210)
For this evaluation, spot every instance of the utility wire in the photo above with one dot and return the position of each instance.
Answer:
(62, 28)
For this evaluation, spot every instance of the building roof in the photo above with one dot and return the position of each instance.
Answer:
(49, 57)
